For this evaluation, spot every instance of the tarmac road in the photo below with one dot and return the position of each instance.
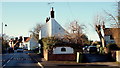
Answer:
(19, 60)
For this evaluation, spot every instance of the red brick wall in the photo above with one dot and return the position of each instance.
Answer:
(62, 57)
(59, 57)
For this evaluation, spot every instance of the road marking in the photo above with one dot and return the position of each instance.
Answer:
(7, 61)
(39, 64)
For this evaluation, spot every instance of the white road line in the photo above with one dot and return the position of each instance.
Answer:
(39, 64)
(7, 61)
(4, 65)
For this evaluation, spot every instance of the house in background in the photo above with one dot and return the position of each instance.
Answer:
(26, 42)
(112, 35)
(108, 36)
(30, 43)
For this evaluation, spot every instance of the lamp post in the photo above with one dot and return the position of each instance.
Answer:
(2, 32)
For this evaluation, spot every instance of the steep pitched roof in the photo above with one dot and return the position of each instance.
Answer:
(57, 28)
(52, 27)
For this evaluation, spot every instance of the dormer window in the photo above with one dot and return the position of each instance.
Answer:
(63, 49)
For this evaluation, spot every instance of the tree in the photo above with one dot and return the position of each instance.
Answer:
(35, 31)
(115, 22)
(5, 44)
(76, 34)
(99, 22)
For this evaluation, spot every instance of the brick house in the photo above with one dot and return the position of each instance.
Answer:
(112, 35)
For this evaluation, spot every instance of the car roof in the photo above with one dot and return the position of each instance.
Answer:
(92, 46)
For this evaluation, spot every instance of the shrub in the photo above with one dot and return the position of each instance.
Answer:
(112, 46)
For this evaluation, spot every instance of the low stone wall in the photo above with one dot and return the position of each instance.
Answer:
(118, 56)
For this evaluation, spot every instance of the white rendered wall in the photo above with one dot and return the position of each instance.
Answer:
(57, 50)
(33, 44)
(57, 29)
(49, 28)
(44, 31)
(52, 28)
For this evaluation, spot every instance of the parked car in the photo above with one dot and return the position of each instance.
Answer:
(92, 49)
(20, 50)
(10, 50)
(36, 50)
(85, 49)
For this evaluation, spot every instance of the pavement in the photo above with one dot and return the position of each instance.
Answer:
(43, 63)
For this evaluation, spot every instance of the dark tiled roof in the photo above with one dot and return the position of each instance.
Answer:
(26, 39)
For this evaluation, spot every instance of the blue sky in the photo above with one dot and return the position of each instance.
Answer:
(23, 16)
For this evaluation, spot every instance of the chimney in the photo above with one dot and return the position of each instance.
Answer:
(47, 19)
(52, 13)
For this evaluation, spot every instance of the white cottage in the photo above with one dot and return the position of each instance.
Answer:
(30, 43)
(59, 52)
(52, 27)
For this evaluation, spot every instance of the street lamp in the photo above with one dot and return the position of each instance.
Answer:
(2, 32)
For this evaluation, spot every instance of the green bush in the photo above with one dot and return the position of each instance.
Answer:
(112, 46)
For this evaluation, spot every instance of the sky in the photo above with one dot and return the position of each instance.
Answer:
(22, 16)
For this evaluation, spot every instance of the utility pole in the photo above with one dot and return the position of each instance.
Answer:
(2, 32)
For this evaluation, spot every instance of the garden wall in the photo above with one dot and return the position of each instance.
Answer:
(118, 56)
(59, 57)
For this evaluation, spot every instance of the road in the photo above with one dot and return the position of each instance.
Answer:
(23, 60)
(19, 60)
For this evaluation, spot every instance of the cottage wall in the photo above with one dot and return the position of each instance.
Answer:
(33, 44)
(57, 50)
(57, 29)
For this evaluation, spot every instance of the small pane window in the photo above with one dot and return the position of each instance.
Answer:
(59, 28)
(111, 37)
(63, 49)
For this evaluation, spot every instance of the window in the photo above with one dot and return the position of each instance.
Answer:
(111, 37)
(59, 28)
(63, 49)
